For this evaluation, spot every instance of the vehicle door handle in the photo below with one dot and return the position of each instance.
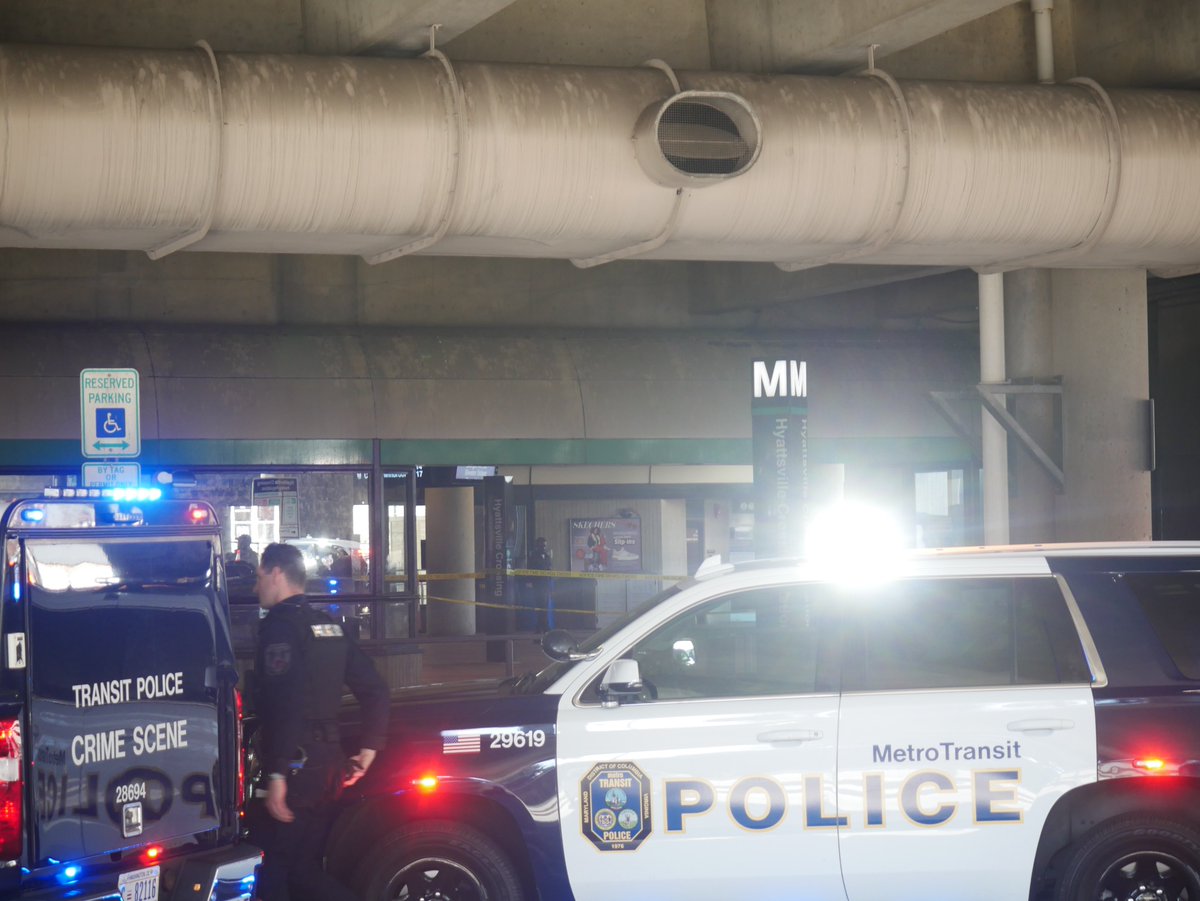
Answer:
(789, 735)
(1040, 727)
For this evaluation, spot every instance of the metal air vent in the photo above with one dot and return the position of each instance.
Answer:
(697, 137)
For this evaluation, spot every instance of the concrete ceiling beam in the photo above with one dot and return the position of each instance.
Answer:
(389, 26)
(729, 287)
(819, 37)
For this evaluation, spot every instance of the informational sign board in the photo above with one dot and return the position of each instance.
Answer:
(606, 544)
(779, 436)
(110, 424)
(281, 492)
(496, 615)
(112, 475)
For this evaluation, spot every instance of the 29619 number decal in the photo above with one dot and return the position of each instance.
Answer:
(519, 738)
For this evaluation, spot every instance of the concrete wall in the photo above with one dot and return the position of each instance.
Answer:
(258, 383)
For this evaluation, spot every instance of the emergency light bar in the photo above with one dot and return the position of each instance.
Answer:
(116, 494)
(99, 507)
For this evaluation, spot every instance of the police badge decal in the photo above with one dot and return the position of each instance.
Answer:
(277, 658)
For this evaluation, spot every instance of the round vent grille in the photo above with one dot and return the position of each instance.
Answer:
(699, 139)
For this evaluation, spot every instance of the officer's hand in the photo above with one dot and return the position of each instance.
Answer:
(277, 801)
(357, 766)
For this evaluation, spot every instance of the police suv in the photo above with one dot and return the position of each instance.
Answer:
(119, 718)
(971, 725)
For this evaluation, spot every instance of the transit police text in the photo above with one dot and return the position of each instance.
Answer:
(142, 739)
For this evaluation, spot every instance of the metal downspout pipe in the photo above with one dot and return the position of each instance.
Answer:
(995, 439)
(992, 345)
(1043, 32)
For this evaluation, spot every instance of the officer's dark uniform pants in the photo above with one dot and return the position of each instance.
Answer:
(292, 852)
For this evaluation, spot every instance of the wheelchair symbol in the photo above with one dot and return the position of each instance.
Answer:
(110, 422)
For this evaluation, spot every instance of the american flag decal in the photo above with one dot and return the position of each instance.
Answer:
(460, 744)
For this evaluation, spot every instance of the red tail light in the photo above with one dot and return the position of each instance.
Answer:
(10, 789)
(241, 757)
(1151, 765)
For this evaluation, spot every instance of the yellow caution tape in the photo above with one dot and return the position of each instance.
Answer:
(514, 607)
(551, 574)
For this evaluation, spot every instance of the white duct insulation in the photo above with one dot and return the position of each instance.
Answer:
(157, 150)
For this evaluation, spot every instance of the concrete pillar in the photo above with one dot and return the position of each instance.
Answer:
(1100, 348)
(1028, 325)
(450, 548)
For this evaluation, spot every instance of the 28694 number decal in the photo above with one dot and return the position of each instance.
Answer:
(519, 738)
(134, 791)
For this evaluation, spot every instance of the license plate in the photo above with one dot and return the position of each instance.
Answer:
(139, 885)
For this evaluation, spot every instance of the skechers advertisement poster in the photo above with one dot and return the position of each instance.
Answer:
(606, 545)
(779, 423)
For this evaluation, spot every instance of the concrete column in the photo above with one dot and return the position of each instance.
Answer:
(1100, 348)
(1028, 325)
(450, 548)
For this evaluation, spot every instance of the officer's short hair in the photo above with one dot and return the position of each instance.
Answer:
(286, 557)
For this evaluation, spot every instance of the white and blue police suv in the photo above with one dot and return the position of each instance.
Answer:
(988, 725)
(119, 718)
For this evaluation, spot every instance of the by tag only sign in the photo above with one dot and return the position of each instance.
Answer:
(112, 475)
(109, 403)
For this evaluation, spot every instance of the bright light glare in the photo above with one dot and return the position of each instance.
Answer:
(855, 542)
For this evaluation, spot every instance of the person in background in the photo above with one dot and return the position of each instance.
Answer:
(302, 660)
(245, 553)
(542, 587)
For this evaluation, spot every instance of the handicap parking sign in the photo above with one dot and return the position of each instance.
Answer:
(110, 422)
(109, 404)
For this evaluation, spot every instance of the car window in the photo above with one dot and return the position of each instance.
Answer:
(751, 644)
(960, 633)
(1171, 602)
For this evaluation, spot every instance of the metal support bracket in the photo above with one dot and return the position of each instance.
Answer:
(986, 394)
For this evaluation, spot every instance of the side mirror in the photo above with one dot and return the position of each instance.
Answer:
(621, 682)
(558, 644)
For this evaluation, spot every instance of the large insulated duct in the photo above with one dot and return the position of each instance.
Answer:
(161, 150)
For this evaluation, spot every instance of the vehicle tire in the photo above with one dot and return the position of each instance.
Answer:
(1129, 860)
(439, 859)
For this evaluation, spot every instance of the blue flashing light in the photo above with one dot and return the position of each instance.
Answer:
(136, 494)
(71, 872)
(32, 514)
(16, 589)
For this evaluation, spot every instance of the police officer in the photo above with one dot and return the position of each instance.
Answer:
(302, 661)
(541, 587)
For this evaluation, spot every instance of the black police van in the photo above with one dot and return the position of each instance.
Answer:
(119, 716)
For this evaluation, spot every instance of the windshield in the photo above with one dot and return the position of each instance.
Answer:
(533, 683)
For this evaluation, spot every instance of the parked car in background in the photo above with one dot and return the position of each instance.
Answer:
(333, 558)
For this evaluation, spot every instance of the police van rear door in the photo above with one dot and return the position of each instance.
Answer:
(124, 628)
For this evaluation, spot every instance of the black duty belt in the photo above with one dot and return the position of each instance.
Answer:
(325, 732)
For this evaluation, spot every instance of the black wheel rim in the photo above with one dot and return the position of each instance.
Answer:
(435, 879)
(1148, 876)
